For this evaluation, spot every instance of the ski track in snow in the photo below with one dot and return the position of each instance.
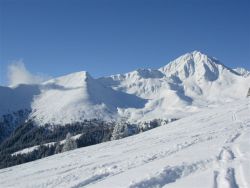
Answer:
(225, 176)
(211, 142)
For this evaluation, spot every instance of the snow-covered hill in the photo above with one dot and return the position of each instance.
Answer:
(208, 149)
(185, 85)
(78, 96)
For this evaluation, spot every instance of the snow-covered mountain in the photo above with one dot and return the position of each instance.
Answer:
(78, 96)
(191, 76)
(183, 86)
(207, 149)
(186, 84)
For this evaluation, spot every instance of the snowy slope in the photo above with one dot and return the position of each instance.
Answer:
(208, 149)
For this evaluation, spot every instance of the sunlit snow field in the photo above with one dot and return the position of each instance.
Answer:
(207, 149)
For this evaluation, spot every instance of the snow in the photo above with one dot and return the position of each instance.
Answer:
(31, 149)
(209, 148)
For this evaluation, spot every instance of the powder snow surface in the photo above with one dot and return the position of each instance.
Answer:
(208, 149)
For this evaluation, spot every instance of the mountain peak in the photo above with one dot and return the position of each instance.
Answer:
(81, 75)
(197, 53)
(195, 64)
(196, 56)
(76, 79)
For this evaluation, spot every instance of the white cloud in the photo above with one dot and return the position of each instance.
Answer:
(18, 74)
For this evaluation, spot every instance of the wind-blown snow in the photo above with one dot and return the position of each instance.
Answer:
(207, 149)
(17, 98)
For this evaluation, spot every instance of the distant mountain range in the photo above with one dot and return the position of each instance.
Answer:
(192, 81)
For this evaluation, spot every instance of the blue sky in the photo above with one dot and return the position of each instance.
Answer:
(104, 37)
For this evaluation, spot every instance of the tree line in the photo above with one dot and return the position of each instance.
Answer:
(92, 132)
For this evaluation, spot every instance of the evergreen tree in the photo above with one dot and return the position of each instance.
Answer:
(58, 148)
(248, 94)
(69, 144)
(120, 131)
